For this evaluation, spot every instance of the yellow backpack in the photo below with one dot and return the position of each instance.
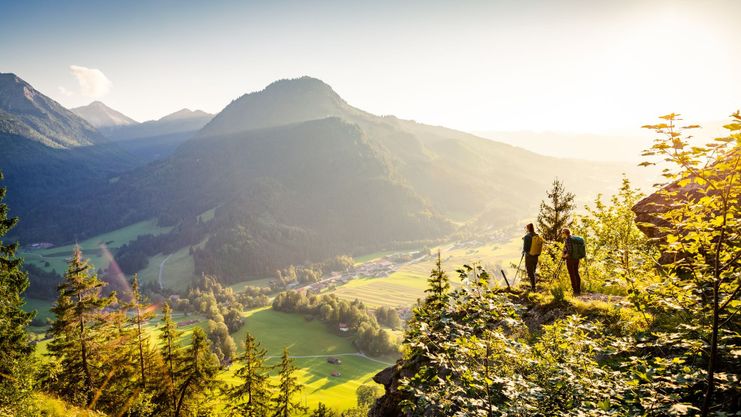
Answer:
(536, 246)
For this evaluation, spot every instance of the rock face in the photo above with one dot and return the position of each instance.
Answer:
(649, 210)
(389, 405)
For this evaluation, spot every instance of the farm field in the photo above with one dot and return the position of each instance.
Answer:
(177, 272)
(406, 285)
(91, 248)
(274, 330)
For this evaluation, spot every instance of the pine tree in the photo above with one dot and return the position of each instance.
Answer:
(171, 354)
(438, 286)
(75, 343)
(555, 212)
(197, 375)
(251, 397)
(15, 347)
(142, 341)
(322, 410)
(288, 387)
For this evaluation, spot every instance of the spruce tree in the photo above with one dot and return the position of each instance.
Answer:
(555, 212)
(251, 397)
(75, 343)
(438, 286)
(288, 387)
(142, 341)
(197, 374)
(15, 347)
(171, 354)
(322, 410)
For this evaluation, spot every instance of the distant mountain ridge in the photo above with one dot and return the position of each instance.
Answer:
(101, 116)
(296, 174)
(27, 113)
(180, 122)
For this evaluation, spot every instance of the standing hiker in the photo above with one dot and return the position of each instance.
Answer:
(532, 245)
(573, 251)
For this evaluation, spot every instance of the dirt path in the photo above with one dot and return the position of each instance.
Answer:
(358, 354)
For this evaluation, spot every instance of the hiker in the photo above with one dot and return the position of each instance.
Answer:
(532, 245)
(573, 251)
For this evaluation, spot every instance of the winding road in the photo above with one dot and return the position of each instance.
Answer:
(162, 267)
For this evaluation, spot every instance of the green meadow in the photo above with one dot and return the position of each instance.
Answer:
(94, 249)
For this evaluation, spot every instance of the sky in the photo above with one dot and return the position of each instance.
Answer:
(566, 66)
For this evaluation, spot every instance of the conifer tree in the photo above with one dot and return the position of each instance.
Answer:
(438, 286)
(322, 410)
(171, 354)
(75, 344)
(555, 212)
(15, 347)
(288, 387)
(251, 397)
(197, 375)
(142, 341)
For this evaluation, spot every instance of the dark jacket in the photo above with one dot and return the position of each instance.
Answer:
(527, 241)
(567, 246)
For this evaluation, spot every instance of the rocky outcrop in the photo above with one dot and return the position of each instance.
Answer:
(389, 405)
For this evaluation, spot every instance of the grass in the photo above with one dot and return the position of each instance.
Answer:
(50, 406)
(370, 257)
(406, 285)
(97, 248)
(275, 330)
(42, 312)
(257, 282)
(177, 272)
(319, 384)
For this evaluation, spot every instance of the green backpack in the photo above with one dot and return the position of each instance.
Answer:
(578, 249)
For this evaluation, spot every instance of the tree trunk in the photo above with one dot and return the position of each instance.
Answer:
(85, 367)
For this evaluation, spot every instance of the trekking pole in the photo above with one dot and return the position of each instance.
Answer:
(558, 270)
(518, 266)
(505, 279)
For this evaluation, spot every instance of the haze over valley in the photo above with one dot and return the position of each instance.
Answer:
(370, 209)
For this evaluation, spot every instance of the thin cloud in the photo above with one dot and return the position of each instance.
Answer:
(65, 92)
(93, 83)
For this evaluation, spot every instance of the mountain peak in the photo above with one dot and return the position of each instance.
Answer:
(302, 83)
(185, 114)
(100, 115)
(282, 102)
(31, 114)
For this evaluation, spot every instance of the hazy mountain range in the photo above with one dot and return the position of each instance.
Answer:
(293, 172)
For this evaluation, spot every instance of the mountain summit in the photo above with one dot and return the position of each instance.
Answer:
(280, 103)
(101, 116)
(27, 113)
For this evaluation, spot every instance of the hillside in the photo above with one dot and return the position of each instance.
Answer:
(293, 174)
(28, 113)
(48, 151)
